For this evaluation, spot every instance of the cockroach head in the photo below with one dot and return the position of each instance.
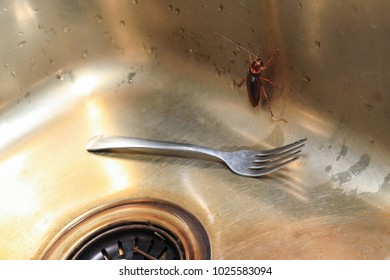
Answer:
(256, 66)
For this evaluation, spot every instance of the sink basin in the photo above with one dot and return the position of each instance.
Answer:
(159, 70)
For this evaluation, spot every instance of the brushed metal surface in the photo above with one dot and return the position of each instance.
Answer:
(152, 69)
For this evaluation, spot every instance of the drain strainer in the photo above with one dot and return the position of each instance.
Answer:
(132, 242)
(132, 230)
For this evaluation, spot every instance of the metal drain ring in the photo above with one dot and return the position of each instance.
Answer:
(185, 237)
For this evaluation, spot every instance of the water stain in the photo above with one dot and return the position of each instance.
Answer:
(361, 165)
(344, 150)
(385, 187)
(354, 170)
(328, 168)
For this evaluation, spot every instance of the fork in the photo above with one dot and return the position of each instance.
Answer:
(250, 163)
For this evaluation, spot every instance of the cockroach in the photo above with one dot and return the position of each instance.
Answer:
(254, 79)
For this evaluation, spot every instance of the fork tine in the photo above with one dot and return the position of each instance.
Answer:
(299, 143)
(273, 162)
(268, 158)
(265, 171)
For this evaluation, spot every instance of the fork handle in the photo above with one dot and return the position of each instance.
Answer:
(104, 143)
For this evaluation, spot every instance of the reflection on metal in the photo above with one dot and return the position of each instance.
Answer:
(72, 70)
(13, 199)
(24, 12)
(84, 85)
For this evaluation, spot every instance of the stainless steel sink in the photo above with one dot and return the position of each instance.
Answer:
(154, 69)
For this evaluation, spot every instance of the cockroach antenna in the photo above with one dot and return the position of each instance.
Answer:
(231, 41)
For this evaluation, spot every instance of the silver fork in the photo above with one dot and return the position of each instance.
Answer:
(251, 163)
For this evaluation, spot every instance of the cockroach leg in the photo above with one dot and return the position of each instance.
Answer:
(270, 82)
(240, 83)
(269, 106)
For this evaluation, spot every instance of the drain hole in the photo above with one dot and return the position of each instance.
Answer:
(163, 254)
(132, 242)
(122, 255)
(106, 256)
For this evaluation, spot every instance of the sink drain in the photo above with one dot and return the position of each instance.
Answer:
(132, 242)
(132, 230)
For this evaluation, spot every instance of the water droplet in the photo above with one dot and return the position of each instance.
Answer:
(22, 43)
(41, 26)
(317, 44)
(177, 11)
(20, 33)
(84, 54)
(99, 19)
(52, 61)
(13, 74)
(52, 31)
(122, 23)
(6, 65)
(220, 8)
(130, 77)
(369, 107)
(306, 79)
(153, 51)
(60, 75)
(233, 85)
(66, 29)
(170, 7)
(33, 61)
(135, 2)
